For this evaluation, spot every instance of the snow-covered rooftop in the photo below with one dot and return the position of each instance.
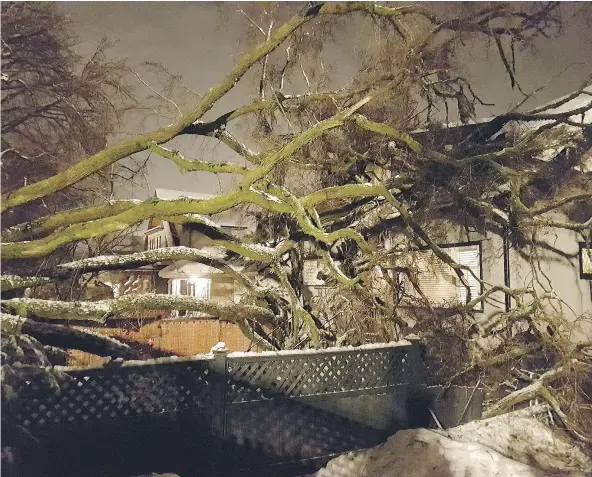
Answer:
(579, 101)
(170, 194)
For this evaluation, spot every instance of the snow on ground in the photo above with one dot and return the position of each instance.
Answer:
(478, 449)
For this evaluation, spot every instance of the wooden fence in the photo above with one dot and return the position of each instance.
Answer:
(283, 413)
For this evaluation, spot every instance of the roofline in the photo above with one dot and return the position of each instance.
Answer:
(475, 122)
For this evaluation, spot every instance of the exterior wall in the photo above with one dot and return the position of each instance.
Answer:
(222, 289)
(559, 273)
(562, 274)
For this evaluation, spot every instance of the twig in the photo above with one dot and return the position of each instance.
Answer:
(468, 402)
(435, 418)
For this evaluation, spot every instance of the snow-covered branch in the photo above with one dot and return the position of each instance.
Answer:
(15, 282)
(47, 224)
(67, 337)
(536, 389)
(99, 311)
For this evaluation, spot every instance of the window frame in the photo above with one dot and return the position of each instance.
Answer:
(583, 275)
(157, 237)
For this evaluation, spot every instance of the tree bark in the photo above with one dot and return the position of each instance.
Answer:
(64, 337)
(99, 311)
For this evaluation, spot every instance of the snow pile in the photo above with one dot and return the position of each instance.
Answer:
(219, 347)
(523, 438)
(509, 446)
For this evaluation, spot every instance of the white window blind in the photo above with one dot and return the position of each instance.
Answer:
(310, 271)
(440, 283)
(155, 241)
(469, 256)
(437, 281)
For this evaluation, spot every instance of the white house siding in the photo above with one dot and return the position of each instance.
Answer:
(563, 274)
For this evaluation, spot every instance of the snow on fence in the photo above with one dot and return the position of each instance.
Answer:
(174, 384)
(222, 413)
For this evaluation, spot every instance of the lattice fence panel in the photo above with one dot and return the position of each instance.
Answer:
(286, 430)
(113, 393)
(253, 378)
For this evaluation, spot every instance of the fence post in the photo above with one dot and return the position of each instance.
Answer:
(219, 404)
(219, 394)
(416, 356)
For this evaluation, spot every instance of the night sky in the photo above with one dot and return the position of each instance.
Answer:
(202, 40)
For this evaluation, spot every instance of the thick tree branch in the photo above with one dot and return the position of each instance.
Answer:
(532, 390)
(124, 149)
(44, 225)
(99, 311)
(269, 163)
(15, 282)
(196, 165)
(66, 337)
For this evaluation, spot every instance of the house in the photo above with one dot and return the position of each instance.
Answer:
(491, 256)
(174, 332)
(189, 278)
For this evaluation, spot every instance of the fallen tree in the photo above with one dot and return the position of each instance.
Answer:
(365, 179)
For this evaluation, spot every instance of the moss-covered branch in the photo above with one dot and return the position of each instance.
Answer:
(15, 282)
(347, 191)
(123, 149)
(137, 214)
(299, 212)
(196, 165)
(543, 207)
(388, 131)
(271, 161)
(128, 147)
(99, 311)
(233, 143)
(44, 225)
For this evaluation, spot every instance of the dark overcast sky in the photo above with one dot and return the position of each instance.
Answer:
(193, 39)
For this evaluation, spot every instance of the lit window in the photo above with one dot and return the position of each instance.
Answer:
(197, 287)
(440, 283)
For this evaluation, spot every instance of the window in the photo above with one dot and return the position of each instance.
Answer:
(154, 241)
(585, 261)
(197, 287)
(310, 272)
(440, 283)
